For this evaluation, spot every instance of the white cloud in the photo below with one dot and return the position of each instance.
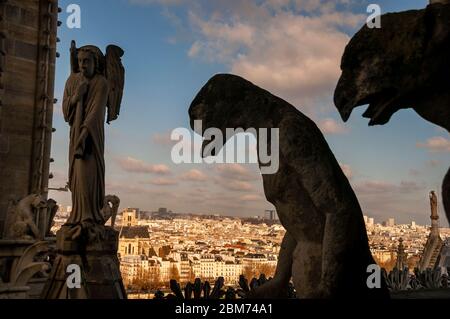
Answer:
(163, 182)
(433, 163)
(330, 126)
(194, 175)
(133, 165)
(405, 201)
(237, 186)
(163, 2)
(382, 187)
(57, 110)
(414, 172)
(292, 48)
(347, 170)
(236, 172)
(124, 188)
(294, 55)
(251, 198)
(436, 144)
(194, 50)
(163, 139)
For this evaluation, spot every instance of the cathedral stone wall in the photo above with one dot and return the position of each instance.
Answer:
(27, 71)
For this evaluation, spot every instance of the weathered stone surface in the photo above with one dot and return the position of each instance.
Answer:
(405, 64)
(326, 247)
(29, 18)
(12, 13)
(21, 219)
(26, 119)
(26, 50)
(91, 89)
(19, 263)
(100, 271)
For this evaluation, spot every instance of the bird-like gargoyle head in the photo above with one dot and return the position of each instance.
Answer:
(221, 103)
(230, 102)
(403, 64)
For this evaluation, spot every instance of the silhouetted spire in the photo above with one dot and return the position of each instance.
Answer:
(401, 256)
(434, 243)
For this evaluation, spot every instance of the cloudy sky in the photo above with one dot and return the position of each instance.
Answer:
(290, 47)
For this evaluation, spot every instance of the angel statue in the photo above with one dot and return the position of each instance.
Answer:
(95, 85)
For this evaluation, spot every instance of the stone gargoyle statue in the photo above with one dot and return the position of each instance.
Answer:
(404, 64)
(21, 218)
(325, 249)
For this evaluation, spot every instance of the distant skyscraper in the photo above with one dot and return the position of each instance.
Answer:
(365, 219)
(390, 222)
(370, 222)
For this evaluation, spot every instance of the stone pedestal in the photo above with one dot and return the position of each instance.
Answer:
(98, 262)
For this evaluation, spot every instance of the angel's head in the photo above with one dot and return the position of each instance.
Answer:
(89, 61)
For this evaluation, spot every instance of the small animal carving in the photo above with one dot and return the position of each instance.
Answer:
(21, 218)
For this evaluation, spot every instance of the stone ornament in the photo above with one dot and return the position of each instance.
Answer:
(21, 218)
(95, 85)
(92, 95)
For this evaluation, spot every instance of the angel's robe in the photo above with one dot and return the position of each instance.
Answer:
(87, 174)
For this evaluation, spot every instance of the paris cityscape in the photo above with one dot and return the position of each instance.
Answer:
(224, 151)
(156, 247)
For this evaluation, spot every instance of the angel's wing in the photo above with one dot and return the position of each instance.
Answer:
(74, 57)
(115, 74)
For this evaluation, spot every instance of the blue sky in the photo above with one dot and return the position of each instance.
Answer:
(172, 47)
